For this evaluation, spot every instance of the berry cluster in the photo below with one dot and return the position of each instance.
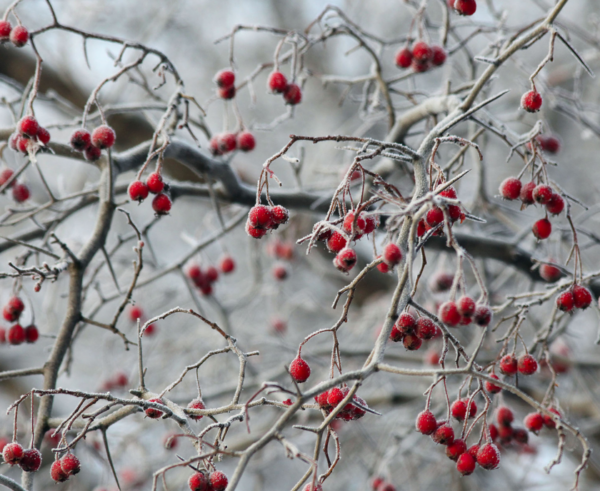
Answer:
(412, 332)
(92, 144)
(118, 381)
(331, 398)
(392, 255)
(153, 413)
(18, 35)
(17, 334)
(28, 460)
(263, 218)
(223, 143)
(278, 84)
(65, 467)
(225, 80)
(576, 297)
(135, 313)
(204, 279)
(20, 191)
(213, 481)
(138, 191)
(421, 57)
(29, 135)
(435, 216)
(197, 403)
(463, 7)
(463, 312)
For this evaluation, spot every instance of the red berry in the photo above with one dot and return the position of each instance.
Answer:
(292, 94)
(456, 449)
(582, 297)
(465, 464)
(22, 144)
(155, 183)
(448, 314)
(2, 341)
(404, 58)
(246, 141)
(280, 272)
(472, 451)
(196, 404)
(16, 335)
(550, 144)
(260, 216)
(412, 342)
(542, 194)
(488, 456)
(526, 194)
(565, 301)
(121, 380)
(383, 267)
(493, 388)
(29, 126)
(226, 264)
(12, 453)
(227, 93)
(510, 188)
(56, 472)
(421, 52)
(550, 273)
(359, 226)
(138, 191)
(161, 204)
(549, 420)
(420, 66)
(5, 29)
(426, 329)
(371, 223)
(81, 139)
(531, 101)
(279, 215)
(483, 315)
(20, 192)
(278, 325)
(227, 142)
(19, 36)
(299, 370)
(542, 229)
(392, 254)
(527, 365)
(504, 416)
(466, 306)
(556, 204)
(277, 82)
(70, 464)
(421, 229)
(255, 232)
(136, 313)
(335, 396)
(465, 7)
(434, 217)
(438, 56)
(31, 334)
(92, 153)
(225, 79)
(336, 242)
(508, 365)
(444, 434)
(493, 431)
(43, 136)
(13, 309)
(406, 323)
(214, 145)
(534, 422)
(345, 259)
(426, 423)
(154, 413)
(211, 274)
(5, 175)
(199, 482)
(31, 460)
(322, 399)
(103, 137)
(520, 435)
(459, 409)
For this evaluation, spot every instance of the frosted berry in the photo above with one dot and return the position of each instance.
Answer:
(466, 306)
(483, 315)
(441, 282)
(138, 191)
(531, 101)
(504, 416)
(527, 365)
(279, 215)
(371, 223)
(550, 273)
(456, 449)
(5, 29)
(434, 217)
(382, 266)
(542, 194)
(438, 55)
(459, 409)
(582, 297)
(336, 242)
(198, 482)
(406, 323)
(345, 259)
(56, 472)
(16, 335)
(20, 192)
(411, 342)
(359, 225)
(392, 254)
(421, 229)
(225, 78)
(19, 36)
(70, 464)
(227, 93)
(396, 335)
(246, 141)
(404, 58)
(31, 460)
(43, 136)
(444, 435)
(556, 204)
(255, 232)
(299, 370)
(426, 423)
(226, 264)
(466, 464)
(426, 329)
(103, 137)
(5, 175)
(260, 216)
(29, 126)
(161, 204)
(31, 334)
(421, 52)
(526, 194)
(154, 413)
(292, 94)
(510, 188)
(155, 183)
(508, 365)
(92, 153)
(13, 309)
(12, 453)
(277, 82)
(448, 314)
(196, 404)
(465, 7)
(542, 229)
(534, 422)
(335, 396)
(488, 456)
(491, 387)
(81, 139)
(565, 301)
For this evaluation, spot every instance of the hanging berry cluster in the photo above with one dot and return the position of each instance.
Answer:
(204, 279)
(18, 35)
(421, 57)
(277, 83)
(262, 218)
(91, 145)
(17, 334)
(138, 191)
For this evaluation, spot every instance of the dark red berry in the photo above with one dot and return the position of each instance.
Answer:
(138, 191)
(225, 79)
(550, 273)
(19, 36)
(161, 204)
(20, 192)
(542, 229)
(550, 144)
(92, 153)
(406, 323)
(382, 266)
(412, 342)
(155, 183)
(16, 335)
(465, 7)
(43, 136)
(556, 204)
(292, 94)
(438, 56)
(493, 388)
(103, 137)
(396, 335)
(13, 309)
(227, 93)
(31, 334)
(466, 306)
(510, 188)
(260, 216)
(456, 449)
(345, 259)
(277, 82)
(31, 460)
(542, 194)
(404, 58)
(81, 139)
(504, 416)
(421, 52)
(426, 422)
(154, 413)
(70, 464)
(483, 315)
(29, 126)
(196, 404)
(246, 141)
(448, 314)
(211, 274)
(526, 194)
(56, 472)
(582, 297)
(5, 175)
(426, 329)
(279, 215)
(299, 370)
